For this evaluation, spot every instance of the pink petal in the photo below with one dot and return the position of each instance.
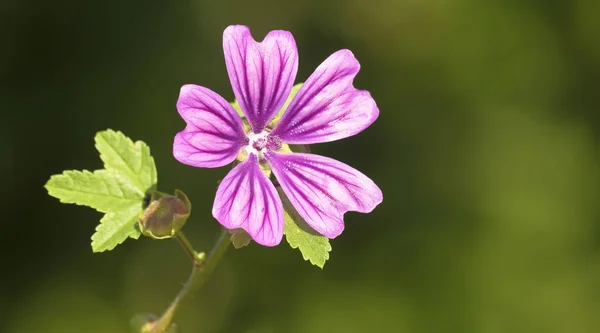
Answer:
(323, 189)
(247, 199)
(328, 107)
(214, 133)
(261, 74)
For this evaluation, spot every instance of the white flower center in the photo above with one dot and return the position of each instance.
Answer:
(259, 143)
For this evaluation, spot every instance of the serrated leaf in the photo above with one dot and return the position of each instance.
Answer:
(313, 246)
(127, 159)
(118, 190)
(100, 190)
(114, 228)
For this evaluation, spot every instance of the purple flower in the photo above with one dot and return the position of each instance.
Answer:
(326, 108)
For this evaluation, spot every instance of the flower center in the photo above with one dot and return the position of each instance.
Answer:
(259, 143)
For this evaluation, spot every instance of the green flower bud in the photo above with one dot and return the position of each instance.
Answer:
(165, 215)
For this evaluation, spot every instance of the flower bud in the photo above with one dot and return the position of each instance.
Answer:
(165, 215)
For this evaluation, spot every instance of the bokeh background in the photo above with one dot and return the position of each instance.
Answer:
(486, 150)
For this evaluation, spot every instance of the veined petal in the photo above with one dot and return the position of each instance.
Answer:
(328, 107)
(261, 74)
(214, 133)
(247, 199)
(323, 189)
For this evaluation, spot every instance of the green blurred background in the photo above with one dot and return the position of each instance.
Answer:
(486, 150)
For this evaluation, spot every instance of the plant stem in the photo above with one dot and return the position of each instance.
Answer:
(201, 271)
(196, 257)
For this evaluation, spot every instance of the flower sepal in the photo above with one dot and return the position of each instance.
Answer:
(239, 238)
(165, 215)
(295, 149)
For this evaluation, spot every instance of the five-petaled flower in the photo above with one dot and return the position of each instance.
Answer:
(326, 108)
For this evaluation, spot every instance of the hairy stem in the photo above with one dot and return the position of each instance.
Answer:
(201, 271)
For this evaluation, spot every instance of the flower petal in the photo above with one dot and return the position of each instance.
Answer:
(214, 133)
(323, 189)
(261, 74)
(328, 107)
(247, 199)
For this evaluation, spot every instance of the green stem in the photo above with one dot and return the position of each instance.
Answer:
(196, 257)
(201, 271)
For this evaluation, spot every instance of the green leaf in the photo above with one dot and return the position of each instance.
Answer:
(114, 228)
(129, 160)
(100, 190)
(118, 190)
(313, 246)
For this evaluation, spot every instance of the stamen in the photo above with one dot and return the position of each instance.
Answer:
(259, 143)
(274, 142)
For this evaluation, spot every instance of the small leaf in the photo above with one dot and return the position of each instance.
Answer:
(118, 190)
(99, 190)
(313, 246)
(127, 159)
(114, 228)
